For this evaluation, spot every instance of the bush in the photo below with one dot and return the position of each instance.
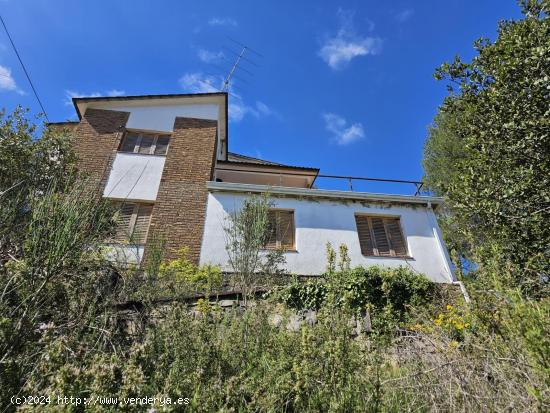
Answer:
(388, 290)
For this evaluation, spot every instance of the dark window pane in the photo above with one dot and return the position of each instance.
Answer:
(162, 145)
(146, 143)
(129, 143)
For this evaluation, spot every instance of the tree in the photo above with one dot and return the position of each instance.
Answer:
(247, 233)
(488, 151)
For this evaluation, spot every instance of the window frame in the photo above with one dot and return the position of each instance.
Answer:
(140, 135)
(132, 223)
(375, 252)
(278, 244)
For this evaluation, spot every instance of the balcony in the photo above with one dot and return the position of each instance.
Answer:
(316, 181)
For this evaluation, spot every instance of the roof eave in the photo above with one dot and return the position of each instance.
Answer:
(77, 100)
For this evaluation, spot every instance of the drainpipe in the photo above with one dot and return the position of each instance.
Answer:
(463, 289)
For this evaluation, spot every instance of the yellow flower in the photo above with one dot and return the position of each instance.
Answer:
(449, 307)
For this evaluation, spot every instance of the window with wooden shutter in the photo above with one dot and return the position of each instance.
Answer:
(133, 223)
(280, 229)
(145, 144)
(381, 236)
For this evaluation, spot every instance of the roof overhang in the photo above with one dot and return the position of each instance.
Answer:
(81, 103)
(276, 168)
(324, 193)
(270, 171)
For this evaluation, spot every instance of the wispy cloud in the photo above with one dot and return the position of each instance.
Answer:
(238, 109)
(343, 133)
(198, 82)
(70, 94)
(209, 56)
(223, 21)
(7, 82)
(404, 15)
(337, 51)
(116, 92)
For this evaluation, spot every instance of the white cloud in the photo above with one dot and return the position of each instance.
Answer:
(342, 133)
(208, 56)
(116, 92)
(404, 15)
(263, 109)
(7, 82)
(222, 21)
(198, 82)
(339, 50)
(70, 94)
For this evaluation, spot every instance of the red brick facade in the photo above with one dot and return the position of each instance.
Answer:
(97, 138)
(180, 209)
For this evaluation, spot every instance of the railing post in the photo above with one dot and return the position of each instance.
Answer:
(350, 184)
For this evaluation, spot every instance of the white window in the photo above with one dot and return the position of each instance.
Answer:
(147, 144)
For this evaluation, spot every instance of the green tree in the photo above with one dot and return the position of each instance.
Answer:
(488, 151)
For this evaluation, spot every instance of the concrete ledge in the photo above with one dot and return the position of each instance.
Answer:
(322, 193)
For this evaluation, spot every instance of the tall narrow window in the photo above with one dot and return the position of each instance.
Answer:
(133, 223)
(380, 236)
(281, 229)
(144, 144)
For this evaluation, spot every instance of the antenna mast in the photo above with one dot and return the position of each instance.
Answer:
(227, 80)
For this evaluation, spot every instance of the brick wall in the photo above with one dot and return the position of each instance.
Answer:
(179, 212)
(97, 138)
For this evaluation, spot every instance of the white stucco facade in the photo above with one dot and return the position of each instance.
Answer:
(318, 221)
(135, 177)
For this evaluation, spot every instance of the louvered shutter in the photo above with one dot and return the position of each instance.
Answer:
(365, 239)
(381, 242)
(141, 226)
(271, 229)
(124, 222)
(397, 241)
(286, 229)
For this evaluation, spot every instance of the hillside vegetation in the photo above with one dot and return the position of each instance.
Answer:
(73, 324)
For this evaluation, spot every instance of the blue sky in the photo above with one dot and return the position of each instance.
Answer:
(346, 86)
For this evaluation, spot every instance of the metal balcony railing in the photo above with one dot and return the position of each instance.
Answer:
(350, 180)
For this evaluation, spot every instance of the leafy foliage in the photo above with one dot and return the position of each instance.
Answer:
(382, 289)
(246, 233)
(202, 278)
(488, 151)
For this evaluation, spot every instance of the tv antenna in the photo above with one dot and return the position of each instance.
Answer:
(241, 56)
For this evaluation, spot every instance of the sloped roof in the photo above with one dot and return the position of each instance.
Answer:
(237, 158)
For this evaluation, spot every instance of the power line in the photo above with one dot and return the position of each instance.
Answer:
(24, 69)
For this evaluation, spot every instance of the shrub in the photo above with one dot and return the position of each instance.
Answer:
(392, 290)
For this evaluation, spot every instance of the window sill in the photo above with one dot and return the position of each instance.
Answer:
(142, 154)
(284, 251)
(400, 257)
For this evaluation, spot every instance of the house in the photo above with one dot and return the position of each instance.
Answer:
(166, 159)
